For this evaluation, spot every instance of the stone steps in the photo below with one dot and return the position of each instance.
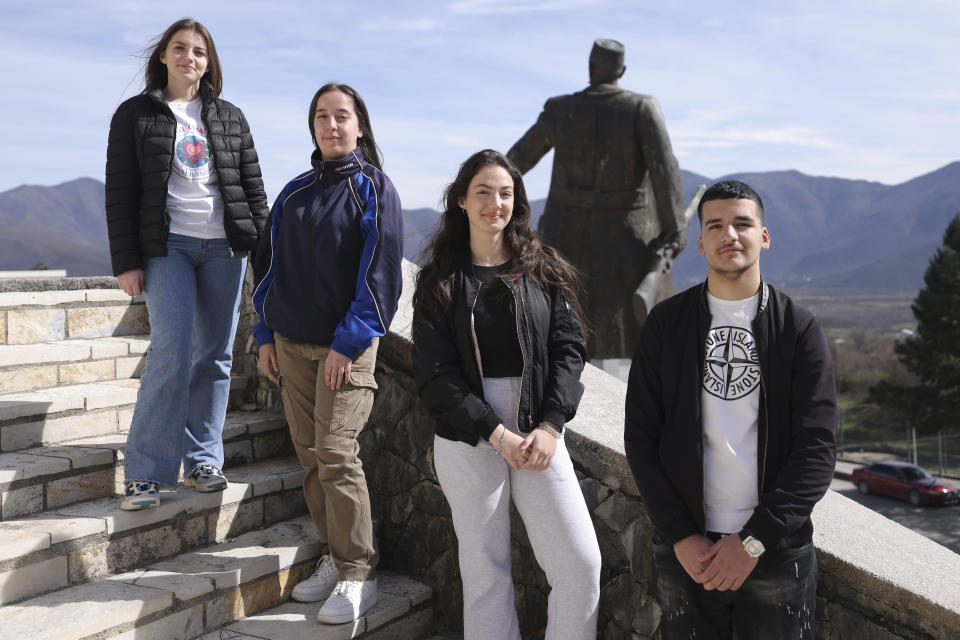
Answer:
(49, 316)
(73, 565)
(182, 597)
(77, 543)
(236, 584)
(29, 367)
(404, 612)
(68, 412)
(47, 477)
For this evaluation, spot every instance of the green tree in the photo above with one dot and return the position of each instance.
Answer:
(933, 352)
(40, 266)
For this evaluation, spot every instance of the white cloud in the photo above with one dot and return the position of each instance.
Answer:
(517, 6)
(824, 87)
(386, 24)
(692, 138)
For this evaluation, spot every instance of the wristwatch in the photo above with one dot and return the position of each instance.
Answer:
(753, 547)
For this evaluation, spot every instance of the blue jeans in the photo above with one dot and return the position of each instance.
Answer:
(193, 296)
(777, 600)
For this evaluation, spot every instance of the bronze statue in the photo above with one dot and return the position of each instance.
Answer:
(615, 206)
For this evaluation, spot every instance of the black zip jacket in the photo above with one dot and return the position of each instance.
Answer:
(663, 434)
(448, 370)
(140, 151)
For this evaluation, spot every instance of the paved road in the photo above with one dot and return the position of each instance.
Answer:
(940, 524)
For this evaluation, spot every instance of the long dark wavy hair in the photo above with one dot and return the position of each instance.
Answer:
(367, 144)
(449, 247)
(155, 72)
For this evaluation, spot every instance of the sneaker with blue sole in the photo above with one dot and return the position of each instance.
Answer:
(206, 478)
(140, 495)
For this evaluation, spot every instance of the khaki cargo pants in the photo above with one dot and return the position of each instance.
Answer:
(324, 425)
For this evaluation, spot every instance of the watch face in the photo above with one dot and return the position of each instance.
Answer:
(753, 547)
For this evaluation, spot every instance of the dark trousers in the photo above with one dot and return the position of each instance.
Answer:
(777, 600)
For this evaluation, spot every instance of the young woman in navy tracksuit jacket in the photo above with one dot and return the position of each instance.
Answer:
(328, 280)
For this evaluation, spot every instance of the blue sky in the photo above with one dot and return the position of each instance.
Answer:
(862, 90)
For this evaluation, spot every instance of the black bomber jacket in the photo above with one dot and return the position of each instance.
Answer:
(448, 370)
(139, 159)
(663, 434)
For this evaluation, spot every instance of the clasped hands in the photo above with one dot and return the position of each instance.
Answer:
(535, 452)
(722, 565)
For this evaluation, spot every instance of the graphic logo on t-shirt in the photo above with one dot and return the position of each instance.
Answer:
(193, 158)
(731, 370)
(192, 151)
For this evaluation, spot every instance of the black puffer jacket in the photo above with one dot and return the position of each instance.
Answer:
(139, 159)
(448, 372)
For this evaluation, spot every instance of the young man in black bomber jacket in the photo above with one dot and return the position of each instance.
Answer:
(730, 434)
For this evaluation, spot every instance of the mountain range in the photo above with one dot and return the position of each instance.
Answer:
(834, 235)
(63, 226)
(829, 235)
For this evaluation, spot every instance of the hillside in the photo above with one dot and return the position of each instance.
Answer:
(62, 226)
(829, 235)
(832, 234)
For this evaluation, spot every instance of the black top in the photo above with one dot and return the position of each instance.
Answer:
(447, 372)
(495, 322)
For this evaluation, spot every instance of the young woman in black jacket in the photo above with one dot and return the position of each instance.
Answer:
(498, 352)
(185, 203)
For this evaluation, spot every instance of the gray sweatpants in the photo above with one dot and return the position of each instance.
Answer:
(479, 484)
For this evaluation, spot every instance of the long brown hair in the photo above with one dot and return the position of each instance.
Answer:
(449, 246)
(366, 142)
(155, 72)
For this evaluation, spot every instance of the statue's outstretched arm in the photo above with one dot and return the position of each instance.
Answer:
(662, 165)
(532, 146)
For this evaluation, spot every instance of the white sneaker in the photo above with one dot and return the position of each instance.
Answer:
(318, 586)
(350, 600)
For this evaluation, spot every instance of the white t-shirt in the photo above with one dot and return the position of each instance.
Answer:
(193, 193)
(730, 398)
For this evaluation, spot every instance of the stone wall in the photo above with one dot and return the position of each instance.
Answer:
(249, 389)
(878, 580)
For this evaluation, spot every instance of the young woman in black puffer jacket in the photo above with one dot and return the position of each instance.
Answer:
(185, 203)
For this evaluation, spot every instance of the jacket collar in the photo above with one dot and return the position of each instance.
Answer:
(602, 90)
(206, 94)
(761, 303)
(466, 268)
(345, 166)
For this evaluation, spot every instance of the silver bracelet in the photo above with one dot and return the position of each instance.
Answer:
(500, 446)
(546, 427)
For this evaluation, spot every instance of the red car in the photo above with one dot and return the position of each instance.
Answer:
(904, 480)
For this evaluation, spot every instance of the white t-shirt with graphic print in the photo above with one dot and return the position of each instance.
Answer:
(730, 398)
(193, 192)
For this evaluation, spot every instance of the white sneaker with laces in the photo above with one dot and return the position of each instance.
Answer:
(350, 600)
(318, 586)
